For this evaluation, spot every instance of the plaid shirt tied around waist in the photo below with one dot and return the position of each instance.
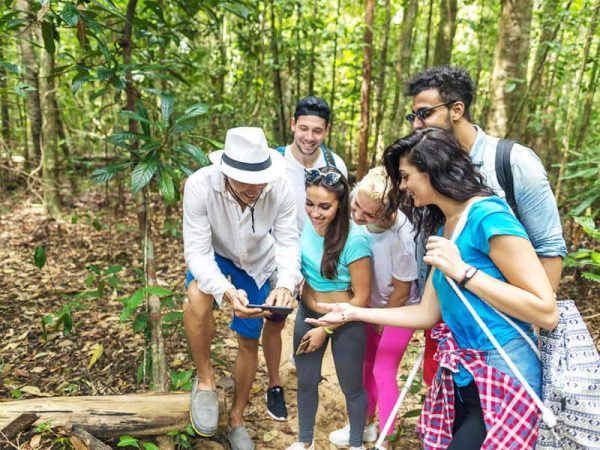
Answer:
(510, 414)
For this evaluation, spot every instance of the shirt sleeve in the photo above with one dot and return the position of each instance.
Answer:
(404, 261)
(287, 244)
(357, 246)
(536, 203)
(495, 220)
(197, 240)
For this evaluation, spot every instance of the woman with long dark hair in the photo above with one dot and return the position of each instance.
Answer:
(336, 267)
(475, 401)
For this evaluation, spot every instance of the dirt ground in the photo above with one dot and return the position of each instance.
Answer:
(92, 233)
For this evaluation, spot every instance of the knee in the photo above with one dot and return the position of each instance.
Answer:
(273, 327)
(198, 304)
(247, 345)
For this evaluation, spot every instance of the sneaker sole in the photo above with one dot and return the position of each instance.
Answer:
(201, 433)
(273, 416)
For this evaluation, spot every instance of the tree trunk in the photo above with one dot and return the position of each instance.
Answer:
(50, 185)
(445, 33)
(30, 65)
(218, 79)
(535, 88)
(160, 374)
(298, 65)
(312, 66)
(4, 112)
(405, 44)
(428, 38)
(333, 72)
(379, 95)
(574, 101)
(588, 102)
(508, 80)
(365, 91)
(277, 83)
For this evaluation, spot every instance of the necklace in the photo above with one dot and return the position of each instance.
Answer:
(232, 191)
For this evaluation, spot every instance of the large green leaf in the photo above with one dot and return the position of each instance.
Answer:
(158, 291)
(107, 173)
(194, 152)
(193, 111)
(167, 187)
(167, 101)
(123, 136)
(133, 115)
(142, 111)
(48, 37)
(70, 14)
(142, 174)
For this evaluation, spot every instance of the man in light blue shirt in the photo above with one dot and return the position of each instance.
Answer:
(442, 98)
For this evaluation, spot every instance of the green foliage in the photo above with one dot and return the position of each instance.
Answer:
(63, 318)
(182, 380)
(183, 438)
(587, 259)
(39, 256)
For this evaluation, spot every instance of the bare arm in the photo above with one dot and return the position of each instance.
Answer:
(553, 267)
(527, 295)
(400, 294)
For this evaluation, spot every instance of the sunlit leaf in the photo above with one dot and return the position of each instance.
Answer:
(128, 441)
(167, 101)
(70, 14)
(142, 174)
(167, 187)
(95, 353)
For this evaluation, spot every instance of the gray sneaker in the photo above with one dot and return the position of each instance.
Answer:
(204, 411)
(239, 439)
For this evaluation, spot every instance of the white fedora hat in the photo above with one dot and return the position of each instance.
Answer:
(247, 157)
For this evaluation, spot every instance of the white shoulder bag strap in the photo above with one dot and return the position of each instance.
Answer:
(547, 415)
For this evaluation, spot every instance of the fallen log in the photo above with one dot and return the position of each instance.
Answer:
(106, 416)
(87, 440)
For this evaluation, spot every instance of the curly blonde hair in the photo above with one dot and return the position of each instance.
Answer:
(375, 185)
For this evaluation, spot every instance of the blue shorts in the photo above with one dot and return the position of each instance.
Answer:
(248, 328)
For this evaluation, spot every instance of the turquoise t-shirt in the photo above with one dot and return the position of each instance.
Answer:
(311, 244)
(487, 218)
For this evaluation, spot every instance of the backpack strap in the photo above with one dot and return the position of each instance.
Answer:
(328, 155)
(281, 150)
(504, 172)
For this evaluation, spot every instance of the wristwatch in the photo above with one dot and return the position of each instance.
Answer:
(469, 273)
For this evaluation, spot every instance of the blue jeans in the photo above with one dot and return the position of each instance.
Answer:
(523, 356)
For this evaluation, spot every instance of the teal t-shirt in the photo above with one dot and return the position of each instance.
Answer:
(311, 244)
(487, 218)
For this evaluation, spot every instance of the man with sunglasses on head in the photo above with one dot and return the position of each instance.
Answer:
(310, 126)
(442, 97)
(241, 245)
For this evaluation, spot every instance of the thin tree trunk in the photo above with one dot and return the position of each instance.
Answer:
(218, 79)
(574, 101)
(333, 72)
(534, 86)
(277, 83)
(4, 112)
(298, 65)
(29, 61)
(379, 95)
(159, 377)
(428, 38)
(480, 50)
(509, 77)
(445, 33)
(312, 67)
(588, 102)
(50, 186)
(405, 44)
(365, 91)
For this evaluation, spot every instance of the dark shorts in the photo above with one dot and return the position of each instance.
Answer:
(252, 327)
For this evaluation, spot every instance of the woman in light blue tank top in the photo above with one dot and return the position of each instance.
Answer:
(492, 260)
(336, 266)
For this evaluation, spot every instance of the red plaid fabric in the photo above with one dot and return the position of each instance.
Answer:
(511, 417)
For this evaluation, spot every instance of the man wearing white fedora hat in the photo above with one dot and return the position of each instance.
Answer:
(239, 221)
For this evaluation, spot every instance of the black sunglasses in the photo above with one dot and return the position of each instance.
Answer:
(329, 178)
(424, 113)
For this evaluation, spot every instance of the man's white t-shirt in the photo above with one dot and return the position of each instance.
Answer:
(295, 173)
(393, 257)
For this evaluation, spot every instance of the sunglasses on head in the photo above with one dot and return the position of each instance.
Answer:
(329, 178)
(424, 113)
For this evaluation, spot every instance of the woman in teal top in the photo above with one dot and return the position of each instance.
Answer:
(492, 260)
(336, 266)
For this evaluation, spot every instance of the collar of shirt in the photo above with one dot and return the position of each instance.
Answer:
(478, 148)
(217, 182)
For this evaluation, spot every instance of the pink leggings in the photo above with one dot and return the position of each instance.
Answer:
(382, 359)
